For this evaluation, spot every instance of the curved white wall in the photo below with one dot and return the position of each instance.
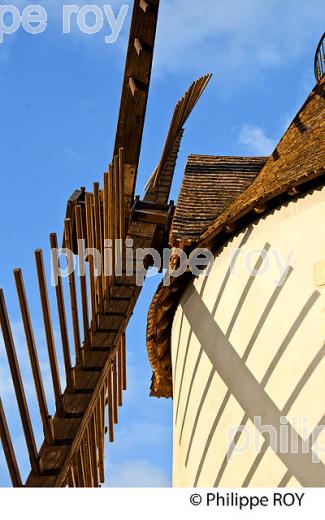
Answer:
(244, 346)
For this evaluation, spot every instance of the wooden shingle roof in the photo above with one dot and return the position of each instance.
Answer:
(299, 158)
(210, 185)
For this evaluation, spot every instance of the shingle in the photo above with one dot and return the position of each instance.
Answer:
(210, 185)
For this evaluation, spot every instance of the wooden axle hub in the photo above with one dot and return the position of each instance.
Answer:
(153, 213)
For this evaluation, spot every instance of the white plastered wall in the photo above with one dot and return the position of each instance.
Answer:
(248, 346)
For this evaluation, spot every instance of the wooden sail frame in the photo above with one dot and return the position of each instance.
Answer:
(73, 449)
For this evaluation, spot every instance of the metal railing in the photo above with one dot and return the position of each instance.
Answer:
(320, 59)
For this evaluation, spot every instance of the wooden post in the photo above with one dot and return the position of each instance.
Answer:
(9, 450)
(31, 345)
(19, 388)
(49, 332)
(70, 379)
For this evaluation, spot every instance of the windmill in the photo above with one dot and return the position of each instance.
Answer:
(72, 453)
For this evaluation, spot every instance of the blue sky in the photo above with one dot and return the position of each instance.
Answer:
(59, 99)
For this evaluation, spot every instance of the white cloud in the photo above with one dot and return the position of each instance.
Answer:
(240, 38)
(255, 140)
(137, 473)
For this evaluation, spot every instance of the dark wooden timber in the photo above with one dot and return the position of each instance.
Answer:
(135, 92)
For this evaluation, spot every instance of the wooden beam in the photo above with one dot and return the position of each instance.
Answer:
(133, 108)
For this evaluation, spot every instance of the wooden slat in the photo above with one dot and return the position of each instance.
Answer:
(63, 321)
(120, 373)
(117, 228)
(49, 332)
(19, 388)
(88, 457)
(76, 474)
(183, 109)
(94, 455)
(81, 468)
(121, 212)
(110, 406)
(9, 450)
(106, 229)
(124, 372)
(115, 390)
(111, 218)
(90, 245)
(71, 478)
(98, 244)
(99, 412)
(73, 295)
(83, 283)
(31, 345)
